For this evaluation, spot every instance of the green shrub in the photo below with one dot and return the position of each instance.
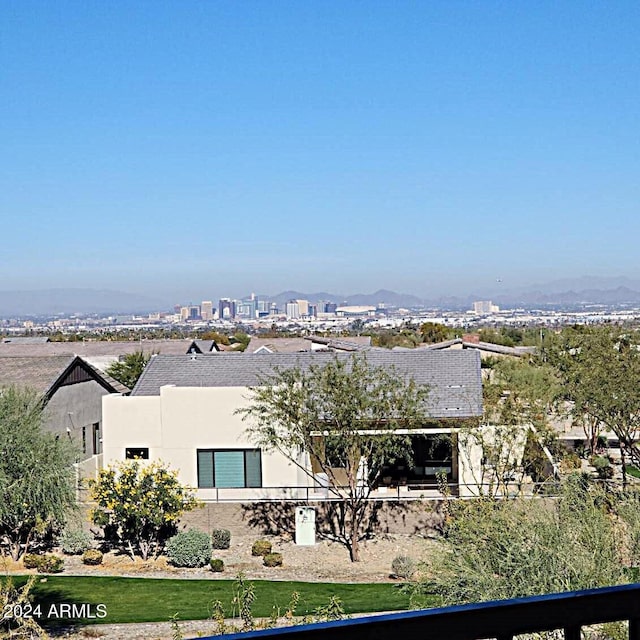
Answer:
(260, 548)
(92, 557)
(217, 565)
(50, 564)
(31, 560)
(75, 541)
(221, 538)
(272, 560)
(496, 549)
(189, 549)
(403, 567)
(602, 466)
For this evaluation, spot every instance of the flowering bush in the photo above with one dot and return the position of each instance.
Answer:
(142, 503)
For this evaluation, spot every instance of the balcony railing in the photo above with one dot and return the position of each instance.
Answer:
(502, 620)
(409, 491)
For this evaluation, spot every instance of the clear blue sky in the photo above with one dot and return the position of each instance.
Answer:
(196, 149)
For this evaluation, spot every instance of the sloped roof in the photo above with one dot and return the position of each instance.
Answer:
(454, 376)
(278, 345)
(202, 346)
(26, 340)
(518, 352)
(44, 374)
(94, 348)
(352, 343)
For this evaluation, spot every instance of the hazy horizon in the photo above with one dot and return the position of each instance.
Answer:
(176, 148)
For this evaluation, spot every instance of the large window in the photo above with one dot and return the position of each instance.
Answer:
(229, 468)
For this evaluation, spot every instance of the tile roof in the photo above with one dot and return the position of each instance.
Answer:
(42, 373)
(454, 376)
(97, 348)
(37, 373)
(481, 346)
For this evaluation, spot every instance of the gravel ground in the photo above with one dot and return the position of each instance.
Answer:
(323, 562)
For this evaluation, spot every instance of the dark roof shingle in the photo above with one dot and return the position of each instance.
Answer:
(454, 376)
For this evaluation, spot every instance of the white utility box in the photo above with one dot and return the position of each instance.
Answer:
(305, 526)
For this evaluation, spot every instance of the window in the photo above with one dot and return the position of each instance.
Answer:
(84, 439)
(136, 453)
(229, 468)
(97, 440)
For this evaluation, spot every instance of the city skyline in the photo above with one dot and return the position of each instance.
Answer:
(430, 148)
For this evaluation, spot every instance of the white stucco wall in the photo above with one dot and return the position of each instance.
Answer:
(181, 420)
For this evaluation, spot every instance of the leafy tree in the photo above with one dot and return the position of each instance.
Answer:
(142, 503)
(433, 332)
(219, 338)
(518, 391)
(241, 339)
(495, 549)
(600, 370)
(130, 368)
(37, 478)
(343, 414)
(519, 398)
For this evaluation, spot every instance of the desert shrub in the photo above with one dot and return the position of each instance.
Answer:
(403, 567)
(217, 565)
(272, 560)
(20, 623)
(603, 467)
(496, 549)
(260, 548)
(92, 557)
(221, 538)
(31, 560)
(50, 564)
(75, 541)
(189, 549)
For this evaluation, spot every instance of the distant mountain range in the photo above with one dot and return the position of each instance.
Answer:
(558, 294)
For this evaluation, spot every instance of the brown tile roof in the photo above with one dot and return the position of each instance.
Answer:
(43, 372)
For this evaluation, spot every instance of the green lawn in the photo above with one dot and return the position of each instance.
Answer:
(152, 600)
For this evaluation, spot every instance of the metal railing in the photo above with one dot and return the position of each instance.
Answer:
(502, 620)
(409, 491)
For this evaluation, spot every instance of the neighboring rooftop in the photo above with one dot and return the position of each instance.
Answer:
(298, 345)
(44, 374)
(93, 348)
(454, 376)
(490, 347)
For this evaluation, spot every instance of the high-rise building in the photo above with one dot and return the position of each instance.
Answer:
(264, 308)
(293, 309)
(206, 310)
(226, 308)
(303, 307)
(484, 307)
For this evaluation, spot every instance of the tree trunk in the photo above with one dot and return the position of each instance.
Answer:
(354, 534)
(14, 549)
(622, 462)
(354, 546)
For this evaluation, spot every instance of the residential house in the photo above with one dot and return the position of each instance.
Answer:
(183, 410)
(72, 390)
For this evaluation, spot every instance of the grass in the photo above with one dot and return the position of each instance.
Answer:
(632, 471)
(154, 600)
